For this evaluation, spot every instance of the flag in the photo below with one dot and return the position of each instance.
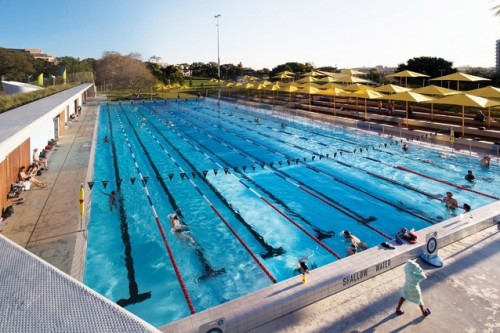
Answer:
(40, 80)
(63, 71)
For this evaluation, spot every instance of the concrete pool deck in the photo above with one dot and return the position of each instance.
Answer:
(463, 295)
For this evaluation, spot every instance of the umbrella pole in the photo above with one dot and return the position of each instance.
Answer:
(432, 111)
(406, 114)
(463, 121)
(489, 116)
(366, 112)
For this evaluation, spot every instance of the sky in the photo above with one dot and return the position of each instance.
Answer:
(258, 33)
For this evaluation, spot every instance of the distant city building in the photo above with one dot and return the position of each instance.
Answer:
(158, 60)
(37, 54)
(498, 56)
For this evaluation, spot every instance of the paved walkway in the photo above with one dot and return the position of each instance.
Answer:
(48, 223)
(464, 296)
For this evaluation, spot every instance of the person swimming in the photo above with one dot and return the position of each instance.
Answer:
(180, 229)
(449, 201)
(485, 161)
(470, 176)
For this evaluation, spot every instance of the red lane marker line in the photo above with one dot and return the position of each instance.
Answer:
(244, 245)
(176, 268)
(447, 182)
(304, 230)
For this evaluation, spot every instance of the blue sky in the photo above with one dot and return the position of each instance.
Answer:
(258, 33)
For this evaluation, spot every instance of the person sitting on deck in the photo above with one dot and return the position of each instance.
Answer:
(480, 117)
(24, 177)
(40, 160)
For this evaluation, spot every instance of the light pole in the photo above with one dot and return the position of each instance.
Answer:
(218, 61)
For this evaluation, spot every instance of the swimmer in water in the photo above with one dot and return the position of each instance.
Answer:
(180, 229)
(303, 268)
(449, 201)
(470, 176)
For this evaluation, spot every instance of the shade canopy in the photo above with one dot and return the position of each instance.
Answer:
(391, 88)
(306, 79)
(352, 72)
(458, 76)
(352, 79)
(308, 90)
(283, 76)
(367, 93)
(356, 86)
(285, 73)
(407, 73)
(312, 73)
(464, 99)
(486, 92)
(408, 96)
(332, 92)
(434, 90)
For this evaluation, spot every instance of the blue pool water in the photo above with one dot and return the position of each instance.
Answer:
(256, 197)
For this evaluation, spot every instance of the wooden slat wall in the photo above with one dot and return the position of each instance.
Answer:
(9, 169)
(62, 123)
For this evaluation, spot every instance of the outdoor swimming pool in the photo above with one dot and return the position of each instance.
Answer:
(257, 191)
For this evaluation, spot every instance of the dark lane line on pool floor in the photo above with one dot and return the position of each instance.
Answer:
(208, 270)
(160, 228)
(271, 251)
(133, 288)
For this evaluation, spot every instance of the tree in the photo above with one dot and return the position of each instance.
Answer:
(124, 72)
(294, 67)
(15, 65)
(173, 74)
(432, 66)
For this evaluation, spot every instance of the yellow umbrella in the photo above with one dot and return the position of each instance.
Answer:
(312, 73)
(351, 72)
(460, 77)
(248, 86)
(283, 76)
(326, 79)
(333, 92)
(309, 84)
(308, 90)
(367, 94)
(466, 100)
(331, 85)
(307, 79)
(272, 88)
(289, 88)
(352, 79)
(356, 86)
(486, 92)
(408, 96)
(286, 73)
(434, 90)
(406, 74)
(391, 89)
